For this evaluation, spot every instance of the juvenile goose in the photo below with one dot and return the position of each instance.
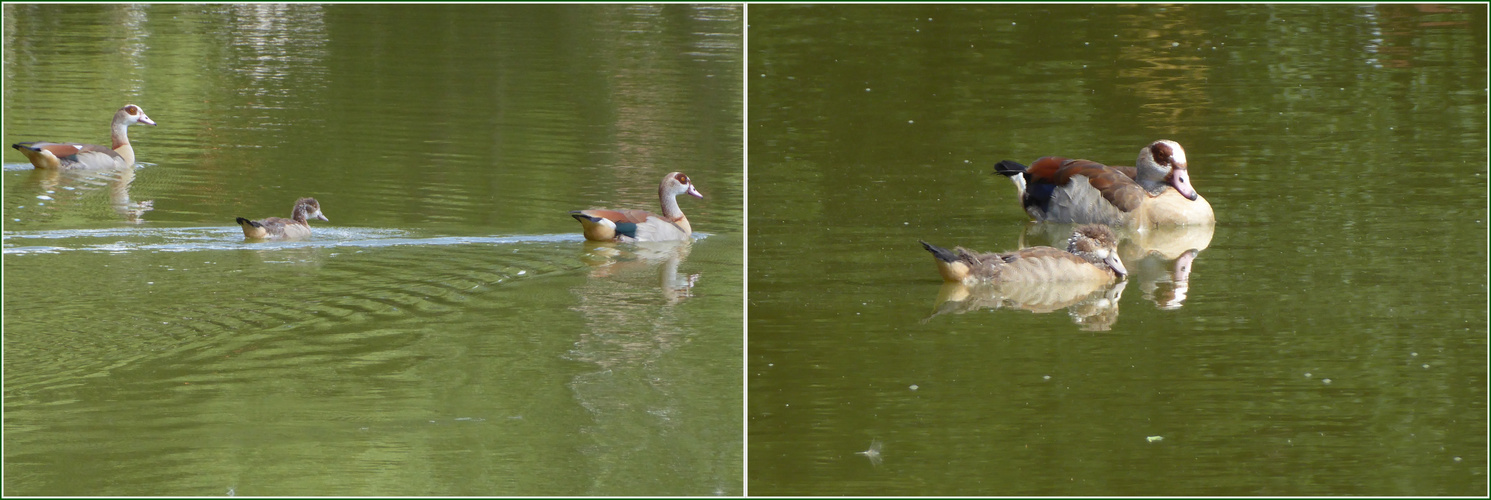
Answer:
(1156, 192)
(1091, 255)
(641, 225)
(281, 228)
(78, 155)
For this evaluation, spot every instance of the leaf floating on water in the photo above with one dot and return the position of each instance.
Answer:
(1154, 438)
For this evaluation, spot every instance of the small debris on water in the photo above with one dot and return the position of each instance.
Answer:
(1153, 439)
(914, 387)
(873, 453)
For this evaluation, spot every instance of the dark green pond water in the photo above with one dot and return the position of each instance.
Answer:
(1329, 338)
(448, 332)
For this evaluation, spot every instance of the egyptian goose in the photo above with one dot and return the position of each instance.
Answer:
(1156, 192)
(641, 225)
(77, 155)
(280, 228)
(1091, 255)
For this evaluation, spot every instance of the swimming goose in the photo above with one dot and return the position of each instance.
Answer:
(1156, 192)
(1091, 255)
(281, 228)
(78, 155)
(641, 225)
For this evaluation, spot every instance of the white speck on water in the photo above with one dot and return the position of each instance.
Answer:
(520, 273)
(149, 282)
(1307, 375)
(43, 197)
(1326, 381)
(1457, 459)
(914, 387)
(771, 364)
(1426, 366)
(873, 453)
(910, 121)
(1153, 439)
(69, 188)
(1414, 354)
(1046, 377)
(907, 223)
(867, 89)
(1174, 44)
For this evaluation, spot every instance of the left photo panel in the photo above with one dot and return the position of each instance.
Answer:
(373, 250)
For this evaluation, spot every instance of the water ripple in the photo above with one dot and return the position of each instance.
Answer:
(126, 239)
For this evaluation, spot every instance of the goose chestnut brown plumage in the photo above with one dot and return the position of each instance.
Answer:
(281, 228)
(59, 155)
(641, 225)
(1155, 192)
(1091, 255)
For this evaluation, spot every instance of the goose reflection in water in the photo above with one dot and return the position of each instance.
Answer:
(1159, 259)
(1092, 305)
(643, 385)
(627, 261)
(117, 180)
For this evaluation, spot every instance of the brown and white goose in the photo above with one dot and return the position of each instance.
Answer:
(641, 225)
(281, 228)
(78, 155)
(1156, 192)
(1091, 255)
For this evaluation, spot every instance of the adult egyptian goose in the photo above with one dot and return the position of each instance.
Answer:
(641, 225)
(77, 155)
(1156, 192)
(281, 228)
(1091, 255)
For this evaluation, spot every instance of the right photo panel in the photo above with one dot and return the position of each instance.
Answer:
(1082, 250)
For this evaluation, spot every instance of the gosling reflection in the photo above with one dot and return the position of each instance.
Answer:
(1159, 259)
(637, 261)
(117, 180)
(1093, 305)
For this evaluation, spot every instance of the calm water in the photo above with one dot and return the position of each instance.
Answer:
(1330, 337)
(448, 332)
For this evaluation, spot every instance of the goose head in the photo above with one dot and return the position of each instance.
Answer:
(1163, 162)
(1097, 244)
(306, 209)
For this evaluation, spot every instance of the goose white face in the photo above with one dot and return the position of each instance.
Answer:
(686, 186)
(137, 115)
(1177, 154)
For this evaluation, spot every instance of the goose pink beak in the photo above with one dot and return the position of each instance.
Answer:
(1181, 181)
(695, 192)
